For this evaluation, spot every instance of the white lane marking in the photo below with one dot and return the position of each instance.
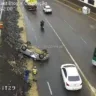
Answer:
(65, 20)
(69, 25)
(89, 85)
(83, 40)
(1, 9)
(49, 88)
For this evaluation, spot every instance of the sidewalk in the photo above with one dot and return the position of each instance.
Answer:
(77, 8)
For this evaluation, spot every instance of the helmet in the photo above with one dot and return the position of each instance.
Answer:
(42, 21)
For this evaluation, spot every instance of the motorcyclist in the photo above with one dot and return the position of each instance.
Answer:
(42, 24)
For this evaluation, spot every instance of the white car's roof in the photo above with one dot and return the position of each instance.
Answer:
(47, 6)
(72, 71)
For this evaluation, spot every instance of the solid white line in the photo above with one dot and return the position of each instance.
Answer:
(49, 88)
(83, 40)
(1, 10)
(90, 86)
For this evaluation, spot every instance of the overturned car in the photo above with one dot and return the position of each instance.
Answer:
(35, 55)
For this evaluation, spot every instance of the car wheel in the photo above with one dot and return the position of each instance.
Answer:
(41, 56)
(65, 85)
(45, 51)
(24, 48)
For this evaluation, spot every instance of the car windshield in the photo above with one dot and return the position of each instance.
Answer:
(73, 78)
(47, 7)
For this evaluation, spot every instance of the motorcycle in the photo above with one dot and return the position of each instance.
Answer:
(42, 28)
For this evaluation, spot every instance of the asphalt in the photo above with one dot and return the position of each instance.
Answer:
(77, 32)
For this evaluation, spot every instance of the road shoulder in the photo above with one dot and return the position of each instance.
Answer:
(33, 90)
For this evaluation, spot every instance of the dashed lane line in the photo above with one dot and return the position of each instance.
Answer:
(49, 87)
(83, 40)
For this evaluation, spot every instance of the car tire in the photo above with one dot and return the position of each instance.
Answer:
(65, 86)
(24, 48)
(41, 56)
(45, 50)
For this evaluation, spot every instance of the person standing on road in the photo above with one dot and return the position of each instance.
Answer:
(34, 70)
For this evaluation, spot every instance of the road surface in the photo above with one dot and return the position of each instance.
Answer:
(77, 32)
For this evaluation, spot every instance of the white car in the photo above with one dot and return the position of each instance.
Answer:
(47, 9)
(35, 55)
(71, 77)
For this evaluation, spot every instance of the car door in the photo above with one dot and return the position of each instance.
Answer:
(64, 74)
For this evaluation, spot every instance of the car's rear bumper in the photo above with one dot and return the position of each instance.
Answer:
(48, 11)
(74, 88)
(31, 7)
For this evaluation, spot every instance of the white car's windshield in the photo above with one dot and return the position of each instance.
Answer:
(73, 78)
(47, 7)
